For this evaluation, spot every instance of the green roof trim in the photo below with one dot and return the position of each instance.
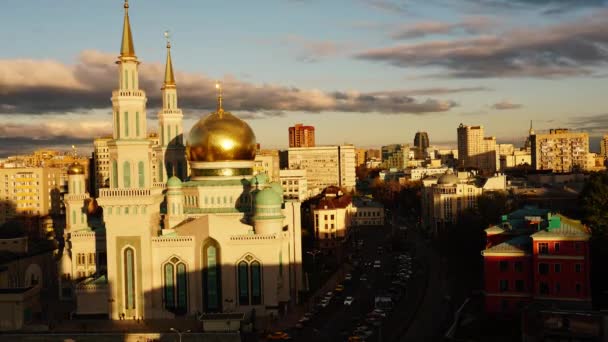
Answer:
(214, 210)
(217, 182)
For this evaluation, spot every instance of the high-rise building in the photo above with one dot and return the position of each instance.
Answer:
(35, 191)
(475, 150)
(560, 150)
(604, 147)
(301, 136)
(421, 143)
(325, 166)
(360, 156)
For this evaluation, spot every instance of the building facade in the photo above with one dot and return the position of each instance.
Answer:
(604, 147)
(295, 184)
(325, 166)
(421, 143)
(222, 241)
(267, 161)
(475, 150)
(560, 150)
(395, 156)
(360, 156)
(301, 136)
(534, 255)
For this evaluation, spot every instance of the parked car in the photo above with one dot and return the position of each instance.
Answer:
(324, 303)
(348, 300)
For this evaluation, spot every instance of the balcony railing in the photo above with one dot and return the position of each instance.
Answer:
(125, 192)
(140, 93)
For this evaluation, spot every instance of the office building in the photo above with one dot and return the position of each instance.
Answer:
(301, 136)
(360, 156)
(325, 166)
(475, 150)
(267, 161)
(421, 143)
(295, 184)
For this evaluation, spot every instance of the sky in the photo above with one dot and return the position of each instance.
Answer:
(366, 72)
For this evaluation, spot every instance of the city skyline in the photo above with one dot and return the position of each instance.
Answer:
(383, 65)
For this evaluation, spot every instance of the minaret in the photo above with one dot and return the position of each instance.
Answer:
(531, 131)
(129, 149)
(171, 151)
(75, 206)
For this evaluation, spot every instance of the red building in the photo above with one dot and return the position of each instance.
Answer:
(534, 255)
(301, 136)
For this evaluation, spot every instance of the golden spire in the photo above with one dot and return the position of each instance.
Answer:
(126, 47)
(220, 109)
(169, 78)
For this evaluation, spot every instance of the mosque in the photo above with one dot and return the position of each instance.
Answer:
(219, 239)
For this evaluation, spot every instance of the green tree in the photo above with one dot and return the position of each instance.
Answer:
(594, 204)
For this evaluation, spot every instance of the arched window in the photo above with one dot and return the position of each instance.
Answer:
(169, 286)
(126, 124)
(243, 275)
(126, 170)
(182, 296)
(256, 283)
(140, 171)
(212, 283)
(129, 275)
(160, 171)
(137, 124)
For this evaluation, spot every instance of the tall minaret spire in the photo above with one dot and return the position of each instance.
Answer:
(220, 109)
(531, 131)
(169, 78)
(126, 47)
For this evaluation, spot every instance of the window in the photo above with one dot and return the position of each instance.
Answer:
(129, 276)
(175, 286)
(578, 268)
(256, 283)
(504, 266)
(91, 259)
(556, 247)
(504, 285)
(114, 174)
(557, 268)
(243, 276)
(126, 170)
(557, 287)
(518, 266)
(543, 248)
(544, 288)
(212, 280)
(578, 288)
(326, 217)
(137, 123)
(126, 124)
(578, 246)
(140, 172)
(332, 217)
(519, 285)
(543, 268)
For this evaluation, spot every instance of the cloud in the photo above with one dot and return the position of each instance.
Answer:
(311, 51)
(574, 48)
(43, 87)
(547, 7)
(595, 124)
(392, 6)
(421, 29)
(23, 145)
(506, 104)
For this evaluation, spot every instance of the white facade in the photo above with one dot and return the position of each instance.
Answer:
(421, 172)
(267, 162)
(325, 166)
(295, 184)
(216, 243)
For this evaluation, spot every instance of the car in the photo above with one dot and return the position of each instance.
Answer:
(278, 336)
(363, 277)
(329, 294)
(379, 312)
(324, 303)
(348, 300)
(339, 288)
(348, 277)
(377, 264)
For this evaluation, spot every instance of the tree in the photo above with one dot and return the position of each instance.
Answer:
(594, 204)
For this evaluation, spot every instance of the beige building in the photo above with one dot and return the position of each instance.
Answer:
(360, 156)
(560, 150)
(295, 184)
(101, 160)
(604, 147)
(30, 191)
(396, 156)
(444, 198)
(475, 150)
(509, 158)
(267, 161)
(595, 162)
(325, 166)
(222, 241)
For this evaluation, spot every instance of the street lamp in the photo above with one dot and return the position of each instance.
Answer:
(179, 333)
(314, 264)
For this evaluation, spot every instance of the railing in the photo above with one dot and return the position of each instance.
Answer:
(252, 237)
(92, 287)
(128, 93)
(172, 111)
(165, 239)
(76, 196)
(160, 185)
(125, 192)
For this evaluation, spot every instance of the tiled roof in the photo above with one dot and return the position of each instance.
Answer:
(568, 228)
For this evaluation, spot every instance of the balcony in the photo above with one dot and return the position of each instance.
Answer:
(126, 192)
(131, 93)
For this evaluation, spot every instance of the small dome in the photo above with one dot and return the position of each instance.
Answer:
(276, 187)
(75, 169)
(448, 178)
(174, 182)
(260, 179)
(268, 197)
(221, 136)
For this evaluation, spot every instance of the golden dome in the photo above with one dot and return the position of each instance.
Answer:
(75, 169)
(221, 136)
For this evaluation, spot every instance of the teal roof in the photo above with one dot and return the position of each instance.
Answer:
(277, 188)
(174, 182)
(260, 179)
(268, 197)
